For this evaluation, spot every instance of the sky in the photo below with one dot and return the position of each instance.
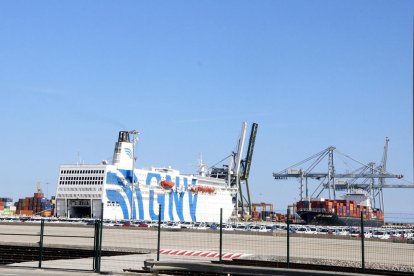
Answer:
(187, 74)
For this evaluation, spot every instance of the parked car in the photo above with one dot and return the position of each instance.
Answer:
(380, 235)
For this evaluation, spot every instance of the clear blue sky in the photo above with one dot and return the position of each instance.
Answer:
(186, 74)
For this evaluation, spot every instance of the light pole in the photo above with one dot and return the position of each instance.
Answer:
(134, 140)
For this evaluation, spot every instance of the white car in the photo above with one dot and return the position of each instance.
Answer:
(172, 225)
(241, 227)
(187, 225)
(302, 230)
(383, 235)
(322, 231)
(254, 228)
(200, 226)
(228, 227)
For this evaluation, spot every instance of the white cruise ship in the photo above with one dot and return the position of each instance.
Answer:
(135, 194)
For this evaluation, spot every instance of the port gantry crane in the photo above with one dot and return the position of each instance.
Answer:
(368, 178)
(238, 170)
(245, 168)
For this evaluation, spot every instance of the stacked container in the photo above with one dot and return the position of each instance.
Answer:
(5, 204)
(341, 208)
(36, 205)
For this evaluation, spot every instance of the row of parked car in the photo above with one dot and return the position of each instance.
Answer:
(375, 233)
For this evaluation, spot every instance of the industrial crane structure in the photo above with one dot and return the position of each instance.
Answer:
(237, 172)
(367, 178)
(244, 196)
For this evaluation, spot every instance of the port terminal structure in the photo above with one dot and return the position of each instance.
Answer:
(366, 179)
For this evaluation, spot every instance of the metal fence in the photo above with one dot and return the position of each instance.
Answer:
(109, 246)
(50, 246)
(262, 243)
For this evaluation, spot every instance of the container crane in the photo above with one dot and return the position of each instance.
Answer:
(245, 166)
(368, 177)
(237, 172)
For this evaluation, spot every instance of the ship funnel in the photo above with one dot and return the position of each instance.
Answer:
(123, 152)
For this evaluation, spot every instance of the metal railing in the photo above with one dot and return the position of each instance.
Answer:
(34, 252)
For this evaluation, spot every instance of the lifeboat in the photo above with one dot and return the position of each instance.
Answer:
(167, 184)
(203, 189)
(210, 190)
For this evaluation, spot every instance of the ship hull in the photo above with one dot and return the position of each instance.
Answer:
(315, 218)
(338, 212)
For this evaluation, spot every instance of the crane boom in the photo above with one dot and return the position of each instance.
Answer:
(249, 154)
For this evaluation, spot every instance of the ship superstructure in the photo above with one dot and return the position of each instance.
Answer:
(135, 194)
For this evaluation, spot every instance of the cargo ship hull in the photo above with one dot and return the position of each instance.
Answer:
(317, 218)
(338, 212)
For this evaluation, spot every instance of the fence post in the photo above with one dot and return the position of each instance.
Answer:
(221, 234)
(362, 242)
(159, 233)
(288, 238)
(42, 229)
(94, 245)
(99, 241)
(98, 236)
